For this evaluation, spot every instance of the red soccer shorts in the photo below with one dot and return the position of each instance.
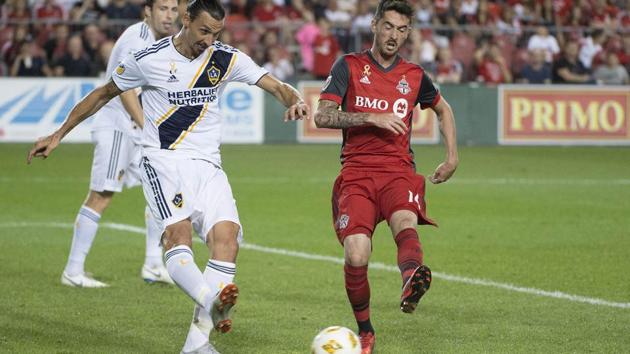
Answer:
(361, 200)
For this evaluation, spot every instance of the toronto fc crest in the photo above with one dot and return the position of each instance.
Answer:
(403, 86)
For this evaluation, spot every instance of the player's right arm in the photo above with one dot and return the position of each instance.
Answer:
(89, 105)
(328, 114)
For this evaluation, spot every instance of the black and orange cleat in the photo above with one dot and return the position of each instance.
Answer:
(368, 339)
(222, 308)
(415, 287)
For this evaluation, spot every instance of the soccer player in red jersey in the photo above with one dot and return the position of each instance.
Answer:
(377, 91)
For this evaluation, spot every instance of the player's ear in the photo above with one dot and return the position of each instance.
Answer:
(373, 26)
(186, 19)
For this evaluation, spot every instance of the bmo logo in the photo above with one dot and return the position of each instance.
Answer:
(373, 103)
(400, 107)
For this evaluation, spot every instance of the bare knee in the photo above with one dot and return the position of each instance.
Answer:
(222, 240)
(177, 234)
(357, 249)
(98, 201)
(402, 219)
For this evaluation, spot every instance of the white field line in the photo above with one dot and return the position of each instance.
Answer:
(373, 265)
(316, 180)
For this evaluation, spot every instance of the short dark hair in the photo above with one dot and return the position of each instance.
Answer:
(212, 7)
(401, 6)
(149, 3)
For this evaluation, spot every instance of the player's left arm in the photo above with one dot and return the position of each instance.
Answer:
(287, 95)
(446, 119)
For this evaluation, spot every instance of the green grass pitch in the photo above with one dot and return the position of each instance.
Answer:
(534, 218)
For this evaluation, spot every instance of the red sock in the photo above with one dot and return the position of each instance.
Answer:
(358, 290)
(410, 254)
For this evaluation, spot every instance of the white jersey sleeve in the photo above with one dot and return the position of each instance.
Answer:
(245, 70)
(128, 74)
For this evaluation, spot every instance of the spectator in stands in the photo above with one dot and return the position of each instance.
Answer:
(424, 12)
(537, 71)
(29, 63)
(423, 50)
(326, 49)
(305, 37)
(55, 47)
(491, 66)
(543, 40)
(591, 47)
(624, 53)
(122, 9)
(87, 11)
(19, 10)
(612, 73)
(49, 11)
(277, 65)
(103, 56)
(266, 11)
(11, 49)
(74, 63)
(569, 69)
(92, 39)
(447, 69)
(361, 23)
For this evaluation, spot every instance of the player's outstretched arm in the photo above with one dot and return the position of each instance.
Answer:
(287, 95)
(89, 105)
(447, 127)
(328, 115)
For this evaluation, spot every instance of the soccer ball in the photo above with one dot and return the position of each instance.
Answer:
(336, 340)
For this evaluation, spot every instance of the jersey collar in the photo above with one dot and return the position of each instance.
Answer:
(379, 66)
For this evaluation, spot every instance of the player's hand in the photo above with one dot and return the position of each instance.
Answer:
(443, 172)
(297, 111)
(43, 147)
(388, 121)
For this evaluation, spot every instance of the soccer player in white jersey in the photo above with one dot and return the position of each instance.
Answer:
(116, 135)
(182, 78)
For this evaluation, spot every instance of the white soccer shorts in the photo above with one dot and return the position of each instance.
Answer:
(116, 162)
(176, 188)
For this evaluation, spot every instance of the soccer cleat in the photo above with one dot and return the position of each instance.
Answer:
(415, 287)
(204, 349)
(81, 281)
(367, 342)
(156, 274)
(222, 305)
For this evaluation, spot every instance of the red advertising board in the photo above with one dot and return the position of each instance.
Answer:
(564, 115)
(424, 128)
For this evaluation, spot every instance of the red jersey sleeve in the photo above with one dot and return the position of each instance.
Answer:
(337, 83)
(428, 96)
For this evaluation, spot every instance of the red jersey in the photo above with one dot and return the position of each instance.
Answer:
(360, 84)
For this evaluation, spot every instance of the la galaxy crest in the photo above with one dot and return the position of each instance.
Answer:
(214, 74)
(178, 200)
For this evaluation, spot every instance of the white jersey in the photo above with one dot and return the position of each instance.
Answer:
(180, 97)
(113, 115)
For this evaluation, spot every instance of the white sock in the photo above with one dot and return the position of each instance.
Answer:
(184, 272)
(217, 275)
(85, 228)
(153, 256)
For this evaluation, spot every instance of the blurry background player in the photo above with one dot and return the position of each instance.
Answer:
(116, 135)
(184, 184)
(378, 91)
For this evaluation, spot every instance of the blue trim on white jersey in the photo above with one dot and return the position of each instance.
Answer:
(179, 121)
(156, 47)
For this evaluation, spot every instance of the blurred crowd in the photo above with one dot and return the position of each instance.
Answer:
(485, 41)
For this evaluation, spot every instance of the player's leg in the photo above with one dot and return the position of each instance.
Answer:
(153, 269)
(221, 226)
(354, 217)
(403, 205)
(85, 228)
(180, 263)
(105, 179)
